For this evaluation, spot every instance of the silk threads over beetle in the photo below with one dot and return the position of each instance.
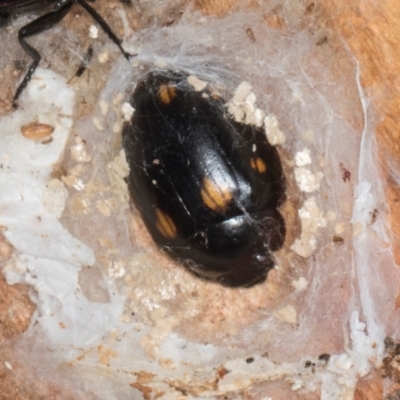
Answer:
(207, 187)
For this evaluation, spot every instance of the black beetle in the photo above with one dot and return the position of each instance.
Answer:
(57, 10)
(207, 187)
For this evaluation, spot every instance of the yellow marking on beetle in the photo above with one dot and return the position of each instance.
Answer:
(258, 164)
(167, 93)
(165, 225)
(215, 197)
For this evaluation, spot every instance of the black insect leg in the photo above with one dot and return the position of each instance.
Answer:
(39, 25)
(85, 62)
(4, 17)
(97, 17)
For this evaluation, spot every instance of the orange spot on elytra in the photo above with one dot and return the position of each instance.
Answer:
(258, 164)
(215, 197)
(167, 93)
(165, 225)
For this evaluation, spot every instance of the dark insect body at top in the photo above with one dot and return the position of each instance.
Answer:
(207, 187)
(54, 11)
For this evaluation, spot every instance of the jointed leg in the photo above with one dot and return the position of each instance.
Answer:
(97, 17)
(85, 61)
(41, 24)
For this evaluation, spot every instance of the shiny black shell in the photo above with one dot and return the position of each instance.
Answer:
(207, 187)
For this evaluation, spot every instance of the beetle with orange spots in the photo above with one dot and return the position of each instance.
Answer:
(208, 188)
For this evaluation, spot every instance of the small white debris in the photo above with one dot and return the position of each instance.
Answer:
(93, 32)
(103, 57)
(197, 83)
(8, 365)
(119, 165)
(242, 92)
(243, 106)
(344, 362)
(297, 384)
(97, 124)
(117, 99)
(116, 128)
(312, 219)
(306, 180)
(256, 118)
(117, 170)
(79, 152)
(116, 270)
(312, 215)
(305, 245)
(127, 111)
(286, 314)
(300, 284)
(302, 158)
(160, 63)
(79, 185)
(250, 100)
(103, 107)
(274, 135)
(125, 318)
